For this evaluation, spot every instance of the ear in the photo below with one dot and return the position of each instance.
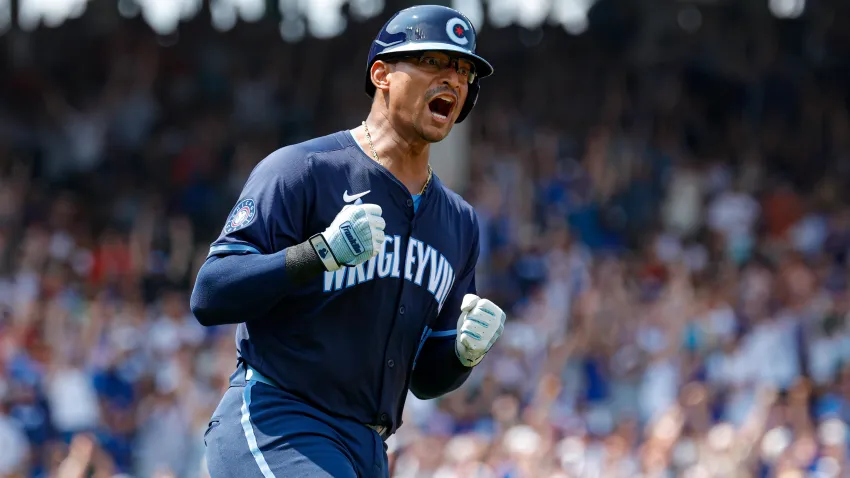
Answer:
(380, 75)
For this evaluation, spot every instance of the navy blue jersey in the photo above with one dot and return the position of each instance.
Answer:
(350, 342)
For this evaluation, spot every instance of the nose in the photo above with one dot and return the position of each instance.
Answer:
(452, 79)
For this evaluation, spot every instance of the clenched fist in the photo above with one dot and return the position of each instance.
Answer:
(355, 236)
(480, 324)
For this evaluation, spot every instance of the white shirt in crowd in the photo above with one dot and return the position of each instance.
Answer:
(72, 400)
(733, 214)
(682, 210)
(15, 447)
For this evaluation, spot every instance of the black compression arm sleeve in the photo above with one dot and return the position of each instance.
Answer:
(302, 263)
(239, 288)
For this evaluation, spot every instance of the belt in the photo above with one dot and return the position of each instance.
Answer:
(252, 374)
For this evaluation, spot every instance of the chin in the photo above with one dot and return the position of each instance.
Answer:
(434, 131)
(434, 134)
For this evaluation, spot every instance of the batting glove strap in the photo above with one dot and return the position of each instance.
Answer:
(349, 240)
(467, 361)
(323, 250)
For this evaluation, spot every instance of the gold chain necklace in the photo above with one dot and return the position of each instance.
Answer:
(375, 154)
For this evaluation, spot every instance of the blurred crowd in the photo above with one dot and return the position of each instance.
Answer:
(664, 217)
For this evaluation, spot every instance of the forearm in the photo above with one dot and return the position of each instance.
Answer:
(239, 288)
(438, 370)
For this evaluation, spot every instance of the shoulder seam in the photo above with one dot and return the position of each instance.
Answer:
(341, 147)
(310, 151)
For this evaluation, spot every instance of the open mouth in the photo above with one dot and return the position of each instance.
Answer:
(441, 107)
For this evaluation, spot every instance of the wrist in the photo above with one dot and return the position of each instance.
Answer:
(302, 264)
(324, 253)
(462, 357)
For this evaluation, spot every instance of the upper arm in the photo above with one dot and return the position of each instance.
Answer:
(446, 323)
(270, 213)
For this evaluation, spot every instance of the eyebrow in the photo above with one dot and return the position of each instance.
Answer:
(458, 58)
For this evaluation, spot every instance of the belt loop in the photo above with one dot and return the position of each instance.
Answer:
(252, 374)
(381, 430)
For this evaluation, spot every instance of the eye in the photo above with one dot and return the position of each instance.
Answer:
(427, 60)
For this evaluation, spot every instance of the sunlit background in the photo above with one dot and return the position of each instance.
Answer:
(317, 18)
(662, 187)
(325, 18)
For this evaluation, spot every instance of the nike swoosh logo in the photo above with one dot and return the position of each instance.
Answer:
(354, 197)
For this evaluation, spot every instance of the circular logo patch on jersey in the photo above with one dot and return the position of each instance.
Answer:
(456, 30)
(241, 216)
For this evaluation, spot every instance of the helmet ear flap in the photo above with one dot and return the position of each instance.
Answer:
(471, 98)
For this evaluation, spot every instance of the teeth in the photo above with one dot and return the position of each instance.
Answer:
(448, 107)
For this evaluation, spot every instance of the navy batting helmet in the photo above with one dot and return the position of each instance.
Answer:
(429, 28)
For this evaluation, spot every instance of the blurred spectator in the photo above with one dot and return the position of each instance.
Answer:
(663, 215)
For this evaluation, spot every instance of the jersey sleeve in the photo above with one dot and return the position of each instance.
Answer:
(271, 211)
(249, 256)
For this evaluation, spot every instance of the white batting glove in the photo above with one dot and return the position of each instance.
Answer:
(354, 237)
(480, 324)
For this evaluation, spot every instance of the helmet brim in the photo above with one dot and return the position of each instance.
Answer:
(482, 66)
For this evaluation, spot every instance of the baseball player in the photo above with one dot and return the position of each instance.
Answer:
(350, 269)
